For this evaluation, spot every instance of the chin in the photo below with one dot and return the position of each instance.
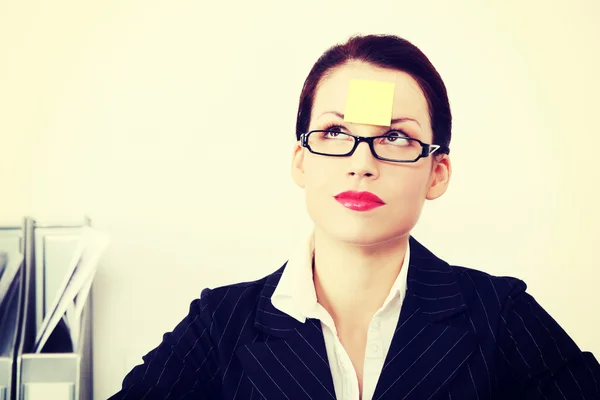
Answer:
(369, 237)
(361, 228)
(362, 233)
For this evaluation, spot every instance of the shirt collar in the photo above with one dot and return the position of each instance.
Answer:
(295, 293)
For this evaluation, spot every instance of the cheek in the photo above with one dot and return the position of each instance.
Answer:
(323, 180)
(409, 184)
(322, 174)
(405, 194)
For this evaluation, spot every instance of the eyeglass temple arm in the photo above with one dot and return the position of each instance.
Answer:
(432, 148)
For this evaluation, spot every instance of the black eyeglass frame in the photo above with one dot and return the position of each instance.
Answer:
(427, 149)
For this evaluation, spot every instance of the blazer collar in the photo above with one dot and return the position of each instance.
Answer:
(430, 281)
(295, 293)
(426, 324)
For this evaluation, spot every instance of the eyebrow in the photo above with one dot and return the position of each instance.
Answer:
(393, 121)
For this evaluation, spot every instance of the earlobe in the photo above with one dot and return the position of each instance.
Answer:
(439, 179)
(297, 165)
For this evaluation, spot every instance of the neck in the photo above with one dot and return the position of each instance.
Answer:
(352, 281)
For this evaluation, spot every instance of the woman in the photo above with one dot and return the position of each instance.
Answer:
(363, 310)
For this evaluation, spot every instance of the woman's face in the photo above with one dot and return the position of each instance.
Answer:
(402, 186)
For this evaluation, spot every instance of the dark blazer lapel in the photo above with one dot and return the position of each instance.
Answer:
(291, 361)
(432, 339)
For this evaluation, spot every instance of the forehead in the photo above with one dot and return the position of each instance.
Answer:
(409, 100)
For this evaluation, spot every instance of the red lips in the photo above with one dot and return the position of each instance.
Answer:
(359, 201)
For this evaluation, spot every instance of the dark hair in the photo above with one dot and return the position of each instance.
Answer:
(385, 51)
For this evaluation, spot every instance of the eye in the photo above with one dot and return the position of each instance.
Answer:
(397, 138)
(334, 132)
(396, 133)
(334, 128)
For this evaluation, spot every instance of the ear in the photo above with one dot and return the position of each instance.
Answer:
(439, 178)
(298, 164)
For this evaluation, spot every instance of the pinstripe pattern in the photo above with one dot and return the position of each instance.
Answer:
(461, 334)
(295, 296)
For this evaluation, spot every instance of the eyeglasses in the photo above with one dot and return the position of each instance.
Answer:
(393, 147)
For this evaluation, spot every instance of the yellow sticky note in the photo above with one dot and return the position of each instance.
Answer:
(369, 102)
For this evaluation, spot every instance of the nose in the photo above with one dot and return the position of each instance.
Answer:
(363, 162)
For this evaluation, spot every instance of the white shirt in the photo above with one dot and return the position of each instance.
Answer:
(295, 295)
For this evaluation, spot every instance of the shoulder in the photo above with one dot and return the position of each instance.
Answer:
(476, 287)
(487, 287)
(232, 308)
(488, 298)
(227, 296)
(531, 349)
(532, 344)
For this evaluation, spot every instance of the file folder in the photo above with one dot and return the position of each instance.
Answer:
(11, 308)
(3, 262)
(53, 247)
(10, 311)
(71, 372)
(59, 369)
(10, 256)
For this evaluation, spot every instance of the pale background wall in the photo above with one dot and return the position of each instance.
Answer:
(114, 109)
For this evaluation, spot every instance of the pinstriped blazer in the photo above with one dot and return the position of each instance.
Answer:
(461, 334)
